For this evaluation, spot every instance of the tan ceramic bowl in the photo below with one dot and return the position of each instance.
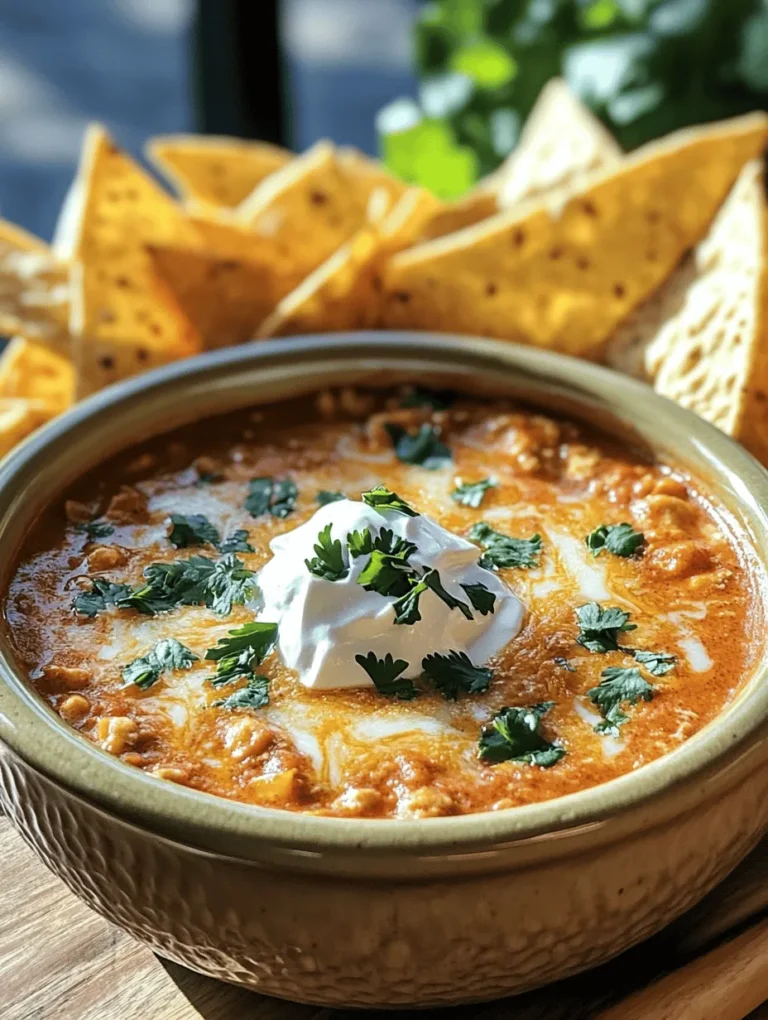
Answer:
(362, 912)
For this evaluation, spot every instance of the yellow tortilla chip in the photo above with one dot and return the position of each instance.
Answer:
(121, 210)
(561, 144)
(710, 353)
(564, 280)
(206, 168)
(33, 371)
(344, 293)
(307, 210)
(18, 419)
(99, 363)
(369, 174)
(34, 289)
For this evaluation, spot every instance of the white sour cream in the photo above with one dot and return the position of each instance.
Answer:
(324, 624)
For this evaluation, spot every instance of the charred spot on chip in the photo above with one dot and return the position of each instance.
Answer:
(491, 289)
(518, 237)
(582, 262)
(589, 208)
(142, 354)
(403, 296)
(228, 265)
(107, 362)
(556, 253)
(653, 216)
(619, 290)
(123, 282)
(318, 197)
(155, 328)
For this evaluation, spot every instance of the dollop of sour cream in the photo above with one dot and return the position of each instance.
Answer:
(324, 624)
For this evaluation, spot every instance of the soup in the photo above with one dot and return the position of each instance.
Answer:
(400, 605)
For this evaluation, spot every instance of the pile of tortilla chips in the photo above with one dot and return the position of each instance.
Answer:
(655, 262)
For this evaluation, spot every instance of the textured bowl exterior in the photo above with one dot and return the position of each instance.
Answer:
(345, 912)
(338, 942)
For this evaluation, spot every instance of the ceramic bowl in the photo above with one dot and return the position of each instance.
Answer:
(381, 913)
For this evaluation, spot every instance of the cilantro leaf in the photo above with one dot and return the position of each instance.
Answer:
(101, 594)
(481, 598)
(454, 673)
(407, 606)
(325, 496)
(208, 478)
(502, 551)
(600, 628)
(242, 649)
(255, 694)
(267, 495)
(328, 562)
(168, 654)
(619, 539)
(237, 542)
(229, 583)
(616, 687)
(433, 582)
(192, 582)
(195, 529)
(514, 734)
(385, 674)
(381, 498)
(420, 396)
(95, 529)
(387, 574)
(657, 663)
(360, 543)
(387, 542)
(472, 493)
(422, 447)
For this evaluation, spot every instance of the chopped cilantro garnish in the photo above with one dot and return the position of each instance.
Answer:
(433, 582)
(267, 495)
(208, 478)
(237, 542)
(194, 529)
(617, 686)
(102, 594)
(240, 651)
(657, 663)
(255, 694)
(419, 396)
(502, 551)
(360, 543)
(168, 654)
(619, 539)
(454, 673)
(514, 734)
(192, 582)
(600, 628)
(385, 674)
(381, 498)
(328, 562)
(229, 583)
(482, 600)
(325, 496)
(472, 493)
(387, 574)
(563, 663)
(95, 529)
(407, 606)
(422, 447)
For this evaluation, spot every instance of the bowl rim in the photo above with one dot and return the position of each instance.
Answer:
(35, 733)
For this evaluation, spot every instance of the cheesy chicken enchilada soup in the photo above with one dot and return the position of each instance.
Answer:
(403, 605)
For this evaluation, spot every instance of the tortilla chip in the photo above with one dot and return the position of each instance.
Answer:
(18, 419)
(308, 209)
(34, 289)
(710, 354)
(33, 371)
(113, 296)
(345, 292)
(99, 363)
(369, 174)
(561, 144)
(565, 281)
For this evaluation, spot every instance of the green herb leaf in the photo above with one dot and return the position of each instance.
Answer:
(168, 654)
(563, 663)
(360, 543)
(229, 583)
(617, 686)
(407, 606)
(194, 529)
(382, 499)
(328, 563)
(514, 734)
(503, 551)
(208, 478)
(267, 495)
(95, 530)
(237, 542)
(482, 600)
(657, 663)
(422, 447)
(102, 594)
(454, 673)
(600, 628)
(240, 651)
(192, 582)
(432, 581)
(325, 496)
(255, 694)
(619, 539)
(385, 674)
(387, 574)
(472, 493)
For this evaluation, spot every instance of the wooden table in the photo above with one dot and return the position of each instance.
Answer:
(60, 961)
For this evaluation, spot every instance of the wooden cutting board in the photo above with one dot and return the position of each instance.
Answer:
(60, 961)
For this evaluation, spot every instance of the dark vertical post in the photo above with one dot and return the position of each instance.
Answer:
(238, 69)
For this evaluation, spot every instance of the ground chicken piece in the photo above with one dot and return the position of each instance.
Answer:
(70, 677)
(129, 506)
(74, 708)
(116, 733)
(106, 557)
